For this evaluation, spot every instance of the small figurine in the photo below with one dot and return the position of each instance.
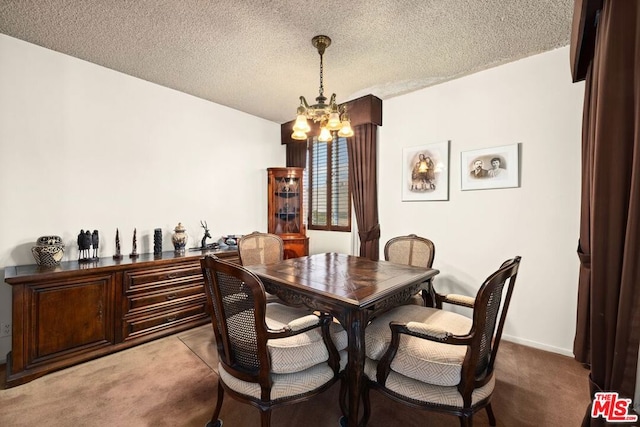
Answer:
(157, 242)
(134, 253)
(117, 255)
(203, 243)
(84, 246)
(81, 247)
(95, 239)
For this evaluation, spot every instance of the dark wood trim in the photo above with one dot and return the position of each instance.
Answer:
(366, 109)
(583, 36)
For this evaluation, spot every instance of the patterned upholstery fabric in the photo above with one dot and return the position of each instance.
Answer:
(285, 385)
(427, 393)
(299, 352)
(423, 360)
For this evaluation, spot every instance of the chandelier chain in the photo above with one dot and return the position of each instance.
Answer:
(321, 79)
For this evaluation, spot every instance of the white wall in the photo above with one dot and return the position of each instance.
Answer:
(531, 102)
(82, 146)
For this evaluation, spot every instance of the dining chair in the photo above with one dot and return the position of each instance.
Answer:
(438, 360)
(415, 251)
(268, 354)
(260, 248)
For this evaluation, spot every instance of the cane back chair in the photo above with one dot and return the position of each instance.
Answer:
(260, 248)
(269, 354)
(417, 252)
(439, 360)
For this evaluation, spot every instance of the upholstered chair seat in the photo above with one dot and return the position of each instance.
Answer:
(288, 385)
(299, 352)
(426, 393)
(427, 361)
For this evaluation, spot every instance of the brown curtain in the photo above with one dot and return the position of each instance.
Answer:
(364, 187)
(608, 317)
(297, 154)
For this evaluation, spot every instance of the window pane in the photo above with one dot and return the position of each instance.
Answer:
(329, 195)
(319, 185)
(339, 184)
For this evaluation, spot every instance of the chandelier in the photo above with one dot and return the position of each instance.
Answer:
(332, 117)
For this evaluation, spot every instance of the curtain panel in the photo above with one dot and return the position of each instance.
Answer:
(363, 180)
(608, 316)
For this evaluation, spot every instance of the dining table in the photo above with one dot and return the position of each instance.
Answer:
(354, 290)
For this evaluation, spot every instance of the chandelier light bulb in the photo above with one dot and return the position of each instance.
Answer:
(299, 135)
(301, 124)
(345, 131)
(334, 121)
(325, 135)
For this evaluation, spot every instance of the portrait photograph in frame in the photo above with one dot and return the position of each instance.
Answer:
(488, 168)
(425, 172)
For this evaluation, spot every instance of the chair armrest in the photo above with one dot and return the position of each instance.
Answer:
(426, 330)
(461, 300)
(304, 322)
(298, 326)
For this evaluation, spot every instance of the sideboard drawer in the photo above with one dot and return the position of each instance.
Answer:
(142, 325)
(172, 295)
(159, 277)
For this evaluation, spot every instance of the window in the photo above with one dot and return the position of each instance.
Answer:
(329, 205)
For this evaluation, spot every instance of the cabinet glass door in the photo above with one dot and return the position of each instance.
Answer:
(287, 209)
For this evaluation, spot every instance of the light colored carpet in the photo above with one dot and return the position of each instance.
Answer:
(161, 383)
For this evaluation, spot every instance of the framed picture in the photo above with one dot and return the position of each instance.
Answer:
(495, 167)
(425, 172)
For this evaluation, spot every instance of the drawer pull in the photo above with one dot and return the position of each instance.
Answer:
(171, 296)
(171, 318)
(172, 275)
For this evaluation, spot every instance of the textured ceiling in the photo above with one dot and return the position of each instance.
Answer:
(256, 55)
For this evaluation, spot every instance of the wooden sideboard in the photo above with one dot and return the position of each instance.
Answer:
(80, 311)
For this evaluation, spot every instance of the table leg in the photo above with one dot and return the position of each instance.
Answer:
(355, 323)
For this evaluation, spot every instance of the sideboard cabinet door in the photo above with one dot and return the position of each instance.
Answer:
(63, 320)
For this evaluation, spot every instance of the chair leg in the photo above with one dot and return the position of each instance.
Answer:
(466, 421)
(367, 406)
(265, 418)
(343, 396)
(492, 418)
(215, 422)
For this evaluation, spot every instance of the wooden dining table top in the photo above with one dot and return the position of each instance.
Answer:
(348, 280)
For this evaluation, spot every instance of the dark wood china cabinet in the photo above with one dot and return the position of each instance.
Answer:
(285, 210)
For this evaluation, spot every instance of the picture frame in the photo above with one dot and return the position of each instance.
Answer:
(490, 168)
(425, 172)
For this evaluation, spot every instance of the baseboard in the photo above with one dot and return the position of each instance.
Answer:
(539, 346)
